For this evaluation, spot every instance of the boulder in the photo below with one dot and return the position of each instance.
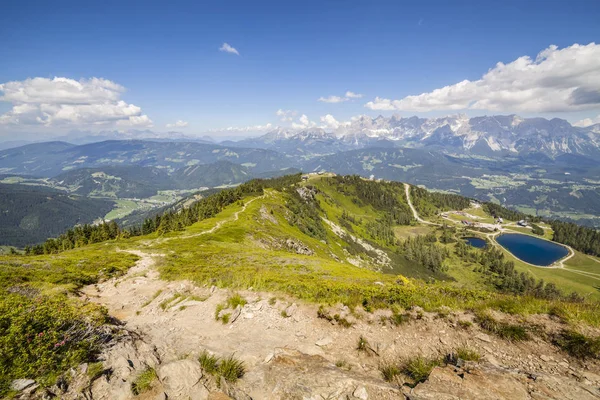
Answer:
(21, 384)
(181, 379)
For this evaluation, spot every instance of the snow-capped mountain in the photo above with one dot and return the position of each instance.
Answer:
(487, 135)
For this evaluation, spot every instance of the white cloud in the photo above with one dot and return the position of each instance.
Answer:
(340, 99)
(286, 115)
(329, 122)
(229, 49)
(177, 124)
(332, 99)
(556, 80)
(587, 122)
(63, 101)
(303, 123)
(352, 95)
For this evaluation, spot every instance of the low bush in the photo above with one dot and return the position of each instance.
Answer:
(42, 336)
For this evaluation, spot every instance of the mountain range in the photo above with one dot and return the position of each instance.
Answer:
(487, 135)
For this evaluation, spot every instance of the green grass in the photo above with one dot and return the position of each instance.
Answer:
(578, 345)
(144, 381)
(208, 362)
(95, 370)
(151, 299)
(231, 369)
(467, 354)
(418, 368)
(510, 332)
(43, 330)
(123, 208)
(389, 371)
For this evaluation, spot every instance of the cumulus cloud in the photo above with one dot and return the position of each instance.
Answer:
(303, 123)
(177, 124)
(227, 48)
(587, 122)
(286, 115)
(340, 99)
(64, 101)
(329, 122)
(557, 80)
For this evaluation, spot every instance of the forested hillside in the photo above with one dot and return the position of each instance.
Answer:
(32, 214)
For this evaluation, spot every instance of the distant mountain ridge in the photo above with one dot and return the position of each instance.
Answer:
(487, 135)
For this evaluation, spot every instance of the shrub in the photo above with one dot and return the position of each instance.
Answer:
(419, 368)
(578, 345)
(231, 369)
(42, 336)
(208, 362)
(144, 381)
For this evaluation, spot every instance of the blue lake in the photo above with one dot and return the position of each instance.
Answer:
(475, 242)
(531, 249)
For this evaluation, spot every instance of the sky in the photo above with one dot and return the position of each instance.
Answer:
(241, 67)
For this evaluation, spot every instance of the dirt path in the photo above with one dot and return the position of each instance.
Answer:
(414, 211)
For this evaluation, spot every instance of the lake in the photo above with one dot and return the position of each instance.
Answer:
(531, 249)
(475, 242)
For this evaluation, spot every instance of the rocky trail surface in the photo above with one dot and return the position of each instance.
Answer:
(290, 353)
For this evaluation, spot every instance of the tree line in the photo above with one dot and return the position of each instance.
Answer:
(431, 203)
(584, 239)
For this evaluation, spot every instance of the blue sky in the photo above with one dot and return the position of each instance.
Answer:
(166, 55)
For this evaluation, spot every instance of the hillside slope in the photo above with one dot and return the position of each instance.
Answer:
(299, 280)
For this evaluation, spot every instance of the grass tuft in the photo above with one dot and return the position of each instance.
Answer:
(418, 368)
(231, 369)
(511, 332)
(95, 370)
(236, 300)
(389, 371)
(208, 362)
(467, 354)
(144, 381)
(578, 345)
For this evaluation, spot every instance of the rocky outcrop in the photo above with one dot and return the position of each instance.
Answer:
(486, 381)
